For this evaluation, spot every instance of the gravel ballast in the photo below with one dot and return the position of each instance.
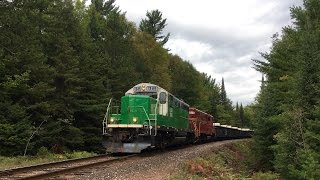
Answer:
(156, 166)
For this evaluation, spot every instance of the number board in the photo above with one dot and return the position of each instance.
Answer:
(144, 88)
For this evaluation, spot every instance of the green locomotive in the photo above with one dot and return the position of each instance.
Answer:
(148, 116)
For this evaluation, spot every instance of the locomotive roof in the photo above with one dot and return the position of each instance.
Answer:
(192, 108)
(145, 87)
(152, 88)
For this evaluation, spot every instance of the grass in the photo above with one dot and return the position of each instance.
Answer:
(226, 162)
(43, 156)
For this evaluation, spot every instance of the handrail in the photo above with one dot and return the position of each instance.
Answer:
(155, 114)
(145, 114)
(105, 119)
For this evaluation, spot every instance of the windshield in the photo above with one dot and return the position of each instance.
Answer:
(151, 94)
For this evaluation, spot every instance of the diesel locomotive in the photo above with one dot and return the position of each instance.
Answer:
(148, 116)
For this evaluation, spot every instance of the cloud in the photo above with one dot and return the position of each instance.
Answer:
(220, 37)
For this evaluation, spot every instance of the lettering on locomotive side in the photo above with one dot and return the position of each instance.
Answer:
(145, 88)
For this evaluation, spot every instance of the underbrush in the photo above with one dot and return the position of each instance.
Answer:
(230, 161)
(43, 156)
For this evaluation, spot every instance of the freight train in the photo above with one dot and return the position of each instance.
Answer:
(148, 116)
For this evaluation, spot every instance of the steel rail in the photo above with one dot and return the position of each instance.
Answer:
(11, 172)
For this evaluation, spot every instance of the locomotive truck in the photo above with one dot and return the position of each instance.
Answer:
(148, 116)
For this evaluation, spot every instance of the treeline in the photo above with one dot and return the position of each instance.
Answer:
(287, 122)
(61, 61)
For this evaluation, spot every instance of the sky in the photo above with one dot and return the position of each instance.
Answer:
(220, 37)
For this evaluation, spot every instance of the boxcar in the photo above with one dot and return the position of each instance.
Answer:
(201, 124)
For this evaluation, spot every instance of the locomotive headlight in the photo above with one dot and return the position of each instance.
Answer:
(112, 119)
(135, 119)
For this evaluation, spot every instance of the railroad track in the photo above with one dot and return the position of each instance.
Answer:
(50, 170)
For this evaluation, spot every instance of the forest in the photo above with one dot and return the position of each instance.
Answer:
(62, 60)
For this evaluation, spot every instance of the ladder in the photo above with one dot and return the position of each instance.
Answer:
(196, 126)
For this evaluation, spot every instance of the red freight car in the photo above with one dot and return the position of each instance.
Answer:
(201, 123)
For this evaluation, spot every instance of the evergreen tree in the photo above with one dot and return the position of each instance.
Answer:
(154, 25)
(237, 115)
(210, 95)
(290, 99)
(237, 107)
(241, 116)
(226, 113)
(223, 93)
(62, 50)
(21, 87)
(262, 82)
(180, 72)
(152, 60)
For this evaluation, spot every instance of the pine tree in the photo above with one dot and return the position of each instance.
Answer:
(241, 116)
(262, 82)
(154, 25)
(61, 45)
(306, 161)
(186, 80)
(226, 113)
(289, 100)
(210, 94)
(223, 93)
(23, 75)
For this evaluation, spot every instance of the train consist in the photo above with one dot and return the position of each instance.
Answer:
(148, 116)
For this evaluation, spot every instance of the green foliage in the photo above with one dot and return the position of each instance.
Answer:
(249, 115)
(43, 152)
(241, 116)
(152, 60)
(43, 156)
(226, 162)
(289, 99)
(13, 137)
(226, 113)
(265, 176)
(78, 154)
(186, 80)
(154, 25)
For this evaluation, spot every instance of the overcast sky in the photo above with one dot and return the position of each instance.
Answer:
(220, 37)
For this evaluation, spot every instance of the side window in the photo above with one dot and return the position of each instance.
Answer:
(163, 98)
(170, 112)
(176, 102)
(170, 99)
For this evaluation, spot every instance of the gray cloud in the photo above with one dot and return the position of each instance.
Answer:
(218, 47)
(227, 49)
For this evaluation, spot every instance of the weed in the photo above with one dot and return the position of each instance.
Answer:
(43, 156)
(227, 162)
